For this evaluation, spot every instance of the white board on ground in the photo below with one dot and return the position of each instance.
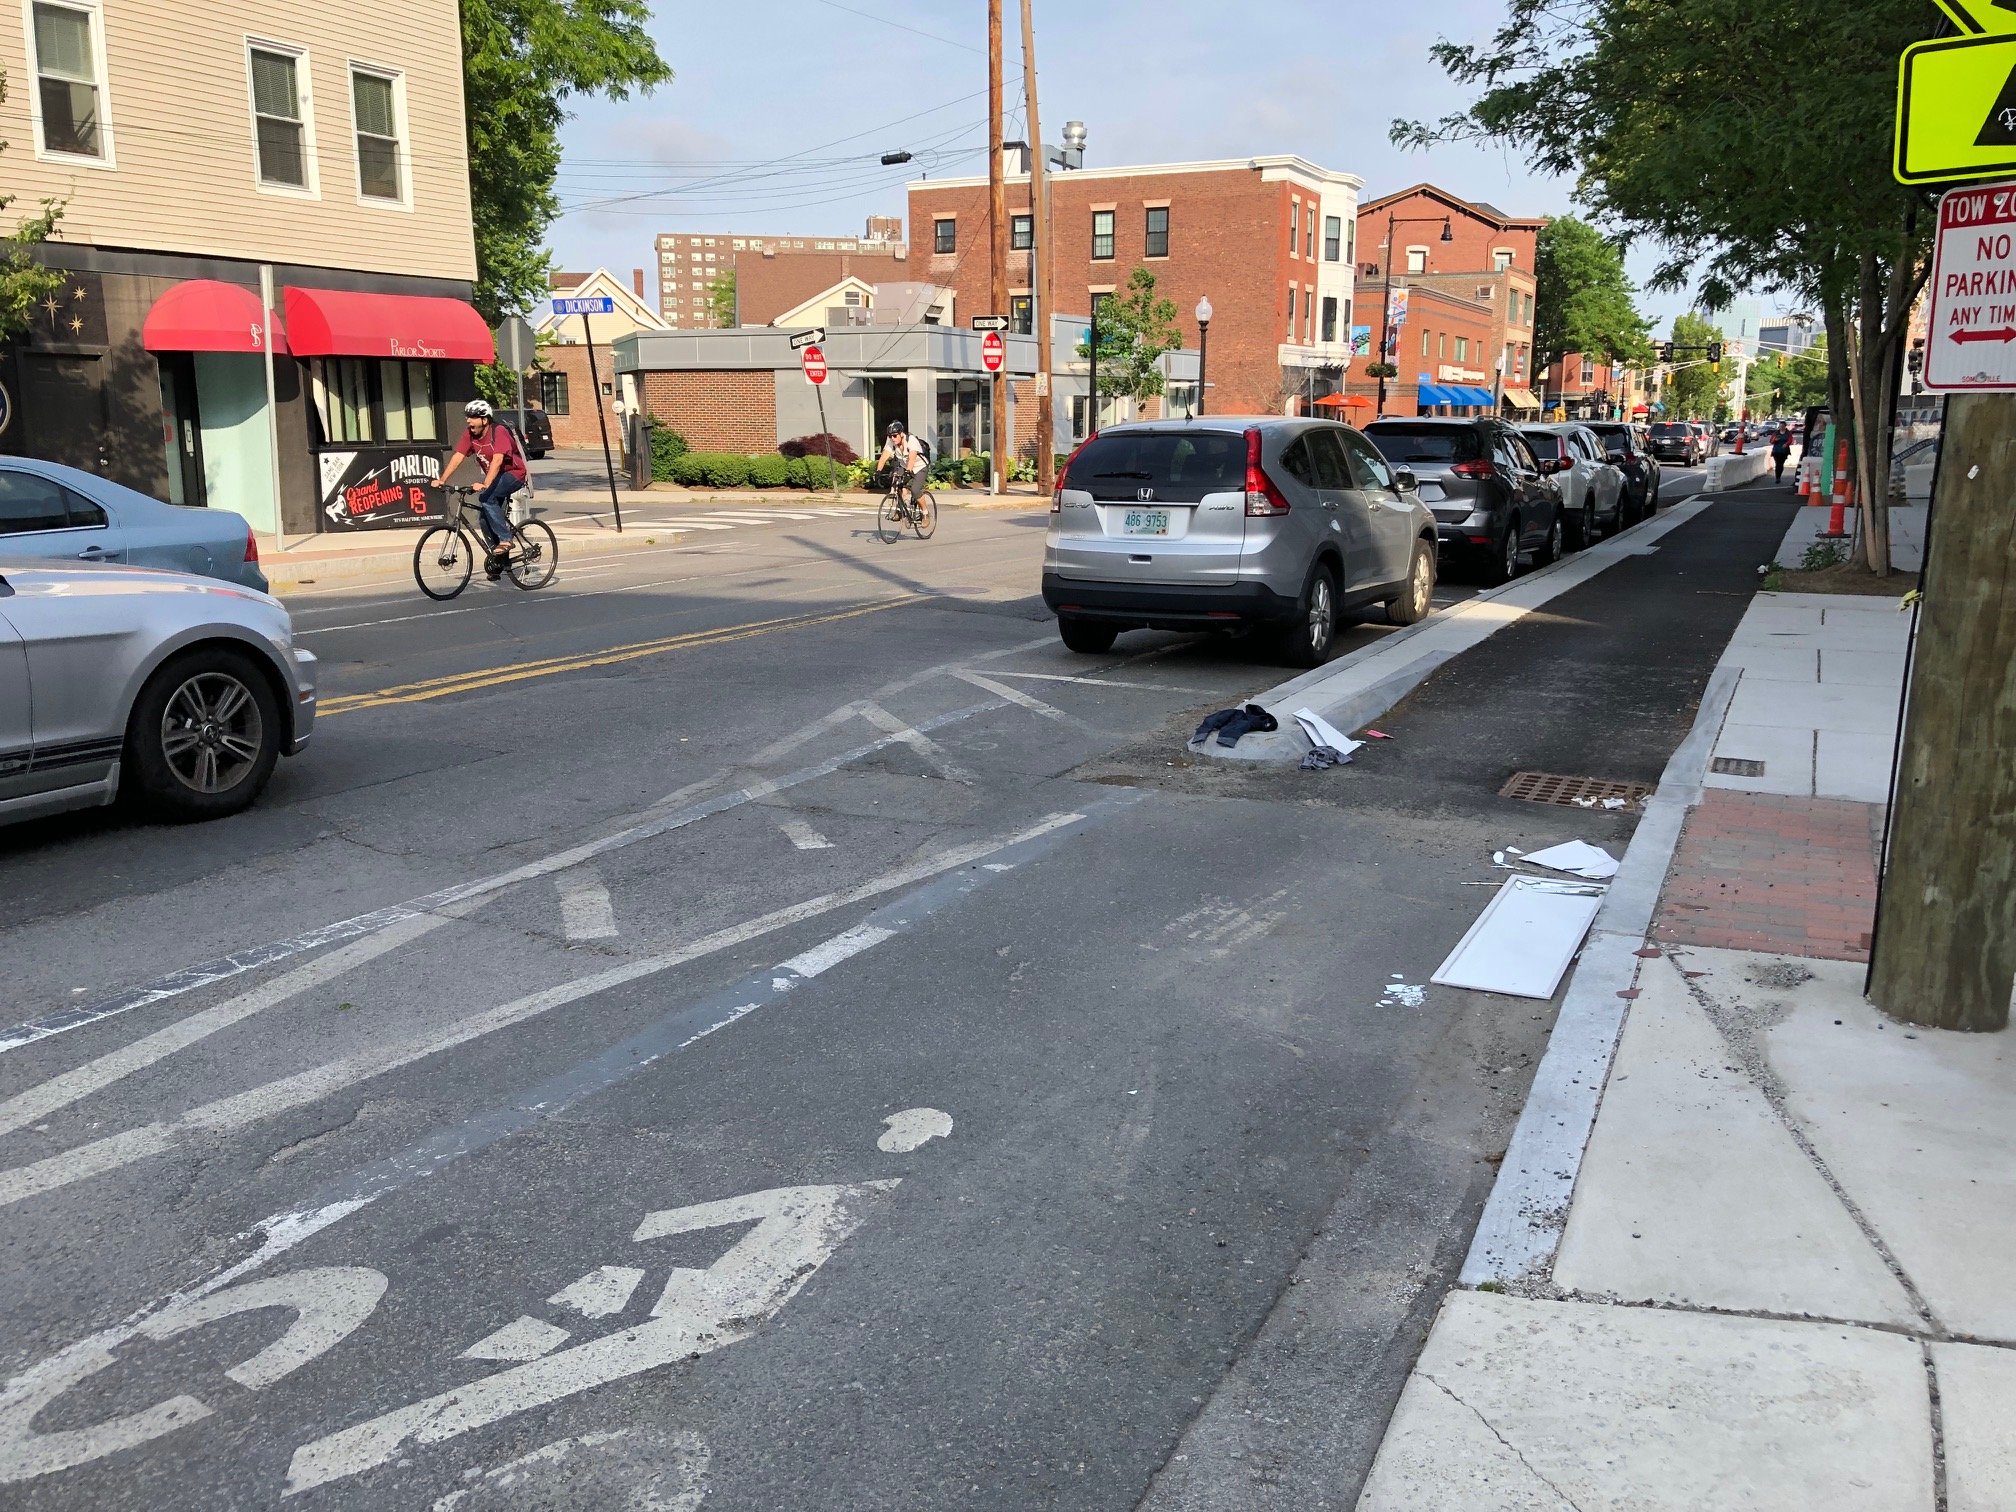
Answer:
(1323, 733)
(1524, 939)
(1578, 857)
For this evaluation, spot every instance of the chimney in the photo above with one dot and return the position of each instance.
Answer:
(637, 281)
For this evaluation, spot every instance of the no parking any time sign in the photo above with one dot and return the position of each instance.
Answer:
(1971, 324)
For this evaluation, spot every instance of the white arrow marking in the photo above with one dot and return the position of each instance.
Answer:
(601, 1293)
(911, 1128)
(802, 835)
(521, 1339)
(585, 910)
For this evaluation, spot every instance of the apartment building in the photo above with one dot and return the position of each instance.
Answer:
(1579, 386)
(1269, 241)
(772, 273)
(1474, 263)
(189, 147)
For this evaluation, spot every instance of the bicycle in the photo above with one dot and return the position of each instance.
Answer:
(446, 557)
(920, 513)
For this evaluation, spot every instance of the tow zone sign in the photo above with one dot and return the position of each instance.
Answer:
(1971, 322)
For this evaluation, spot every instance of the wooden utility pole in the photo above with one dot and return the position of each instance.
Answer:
(1945, 948)
(1039, 260)
(997, 227)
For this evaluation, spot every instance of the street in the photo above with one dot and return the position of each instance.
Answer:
(760, 1021)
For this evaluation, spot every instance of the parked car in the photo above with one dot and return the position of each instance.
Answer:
(1677, 441)
(1492, 504)
(1270, 523)
(57, 513)
(1625, 445)
(182, 689)
(1592, 489)
(1730, 435)
(1711, 444)
(532, 428)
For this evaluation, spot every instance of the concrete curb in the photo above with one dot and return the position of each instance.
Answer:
(1364, 684)
(1523, 1218)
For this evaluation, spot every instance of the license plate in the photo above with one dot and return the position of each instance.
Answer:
(1146, 522)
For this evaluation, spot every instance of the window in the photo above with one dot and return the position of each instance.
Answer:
(1368, 468)
(406, 390)
(1333, 237)
(365, 400)
(29, 503)
(1021, 233)
(1021, 314)
(1462, 349)
(279, 123)
(1329, 318)
(1417, 259)
(1351, 241)
(1424, 342)
(1294, 226)
(1331, 469)
(66, 80)
(1102, 235)
(1158, 232)
(945, 235)
(553, 393)
(346, 390)
(1588, 372)
(374, 107)
(1441, 346)
(1179, 399)
(1501, 258)
(1309, 235)
(1308, 315)
(1291, 312)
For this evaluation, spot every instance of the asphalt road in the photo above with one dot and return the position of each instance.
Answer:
(834, 1051)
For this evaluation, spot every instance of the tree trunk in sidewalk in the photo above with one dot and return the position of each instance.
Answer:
(1945, 948)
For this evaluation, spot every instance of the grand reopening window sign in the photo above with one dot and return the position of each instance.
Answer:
(1971, 321)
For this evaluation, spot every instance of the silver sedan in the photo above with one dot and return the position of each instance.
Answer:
(182, 689)
(61, 514)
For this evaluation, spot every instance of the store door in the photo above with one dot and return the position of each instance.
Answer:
(181, 431)
(231, 428)
(888, 399)
(63, 409)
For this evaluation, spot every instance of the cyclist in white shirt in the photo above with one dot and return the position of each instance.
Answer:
(905, 451)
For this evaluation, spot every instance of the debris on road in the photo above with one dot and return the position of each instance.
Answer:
(1322, 757)
(1579, 858)
(1323, 733)
(1232, 723)
(1377, 735)
(1523, 941)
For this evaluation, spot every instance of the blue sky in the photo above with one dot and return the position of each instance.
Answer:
(780, 108)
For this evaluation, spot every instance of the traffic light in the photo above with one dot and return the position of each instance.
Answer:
(1715, 352)
(1665, 351)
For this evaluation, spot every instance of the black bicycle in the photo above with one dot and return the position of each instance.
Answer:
(898, 509)
(447, 555)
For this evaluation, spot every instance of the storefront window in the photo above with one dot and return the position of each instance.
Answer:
(406, 390)
(346, 398)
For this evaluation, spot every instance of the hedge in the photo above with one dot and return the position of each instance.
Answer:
(667, 447)
(767, 472)
(692, 469)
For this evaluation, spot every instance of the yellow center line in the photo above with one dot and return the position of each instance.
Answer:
(465, 682)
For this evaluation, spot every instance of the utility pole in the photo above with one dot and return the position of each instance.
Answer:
(1039, 258)
(997, 226)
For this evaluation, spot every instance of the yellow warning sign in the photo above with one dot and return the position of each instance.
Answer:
(1956, 109)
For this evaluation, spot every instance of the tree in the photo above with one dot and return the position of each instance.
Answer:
(721, 299)
(25, 283)
(1789, 385)
(1694, 390)
(521, 60)
(1772, 177)
(1582, 299)
(1134, 332)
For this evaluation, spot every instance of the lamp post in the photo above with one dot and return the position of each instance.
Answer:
(1386, 317)
(1203, 349)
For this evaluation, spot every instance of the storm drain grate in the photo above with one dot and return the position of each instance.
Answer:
(1736, 766)
(1576, 792)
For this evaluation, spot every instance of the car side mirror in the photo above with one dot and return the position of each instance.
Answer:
(1404, 479)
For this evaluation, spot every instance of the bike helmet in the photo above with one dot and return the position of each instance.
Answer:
(895, 428)
(477, 409)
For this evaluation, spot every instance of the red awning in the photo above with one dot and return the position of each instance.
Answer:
(204, 315)
(332, 323)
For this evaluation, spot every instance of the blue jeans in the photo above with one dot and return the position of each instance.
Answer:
(494, 508)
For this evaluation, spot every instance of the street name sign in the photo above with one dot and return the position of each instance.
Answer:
(814, 362)
(990, 322)
(993, 352)
(814, 337)
(1970, 321)
(587, 304)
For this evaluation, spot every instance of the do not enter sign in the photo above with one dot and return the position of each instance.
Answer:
(993, 352)
(815, 364)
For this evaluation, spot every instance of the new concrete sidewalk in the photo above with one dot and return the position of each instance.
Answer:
(1783, 1279)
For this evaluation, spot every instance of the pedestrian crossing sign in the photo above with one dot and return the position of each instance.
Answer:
(1956, 110)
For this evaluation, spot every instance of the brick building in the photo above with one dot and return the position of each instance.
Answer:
(1478, 288)
(1585, 387)
(1268, 240)
(772, 273)
(564, 385)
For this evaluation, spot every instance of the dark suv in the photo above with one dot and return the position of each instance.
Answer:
(533, 430)
(1678, 441)
(1625, 446)
(1490, 500)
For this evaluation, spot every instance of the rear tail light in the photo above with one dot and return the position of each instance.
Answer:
(1057, 494)
(251, 546)
(1262, 497)
(1476, 467)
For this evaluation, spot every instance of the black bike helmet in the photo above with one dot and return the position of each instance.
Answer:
(895, 428)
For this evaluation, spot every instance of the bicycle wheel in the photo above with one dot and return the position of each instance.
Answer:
(925, 518)
(889, 519)
(443, 561)
(537, 556)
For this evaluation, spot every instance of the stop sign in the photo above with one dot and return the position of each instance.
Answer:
(815, 364)
(993, 352)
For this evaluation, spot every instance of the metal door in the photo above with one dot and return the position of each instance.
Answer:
(1353, 510)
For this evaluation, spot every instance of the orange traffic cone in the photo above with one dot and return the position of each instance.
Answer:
(1837, 523)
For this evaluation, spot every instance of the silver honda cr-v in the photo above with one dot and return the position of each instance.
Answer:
(1234, 522)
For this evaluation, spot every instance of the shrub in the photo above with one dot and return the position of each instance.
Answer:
(973, 467)
(1820, 555)
(1023, 470)
(817, 475)
(808, 446)
(862, 474)
(711, 470)
(667, 447)
(768, 472)
(945, 470)
(795, 475)
(688, 469)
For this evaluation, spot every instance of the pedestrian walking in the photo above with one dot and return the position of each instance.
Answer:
(1781, 448)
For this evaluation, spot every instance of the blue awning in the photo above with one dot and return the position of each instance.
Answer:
(1437, 393)
(1476, 395)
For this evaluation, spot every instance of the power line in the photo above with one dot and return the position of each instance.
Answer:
(885, 21)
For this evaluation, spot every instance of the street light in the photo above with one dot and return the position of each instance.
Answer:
(1203, 347)
(1386, 317)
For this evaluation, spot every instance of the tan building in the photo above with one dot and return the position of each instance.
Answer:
(190, 145)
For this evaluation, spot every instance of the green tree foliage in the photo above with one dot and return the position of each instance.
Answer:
(1694, 389)
(1774, 176)
(25, 283)
(1134, 332)
(721, 299)
(521, 60)
(1781, 385)
(1582, 299)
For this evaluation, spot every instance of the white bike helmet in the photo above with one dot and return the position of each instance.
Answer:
(477, 409)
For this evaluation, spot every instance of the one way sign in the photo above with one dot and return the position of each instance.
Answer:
(1971, 321)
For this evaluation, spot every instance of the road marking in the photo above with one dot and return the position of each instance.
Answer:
(796, 1231)
(524, 1339)
(1106, 682)
(701, 525)
(802, 835)
(469, 682)
(241, 1109)
(922, 744)
(585, 910)
(38, 1102)
(824, 957)
(648, 1470)
(1017, 696)
(911, 1128)
(602, 1293)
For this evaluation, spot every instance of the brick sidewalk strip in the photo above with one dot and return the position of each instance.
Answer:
(1761, 871)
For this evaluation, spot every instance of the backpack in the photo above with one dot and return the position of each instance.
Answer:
(923, 447)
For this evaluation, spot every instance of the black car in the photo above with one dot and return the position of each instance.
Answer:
(1677, 441)
(533, 430)
(1479, 478)
(1625, 445)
